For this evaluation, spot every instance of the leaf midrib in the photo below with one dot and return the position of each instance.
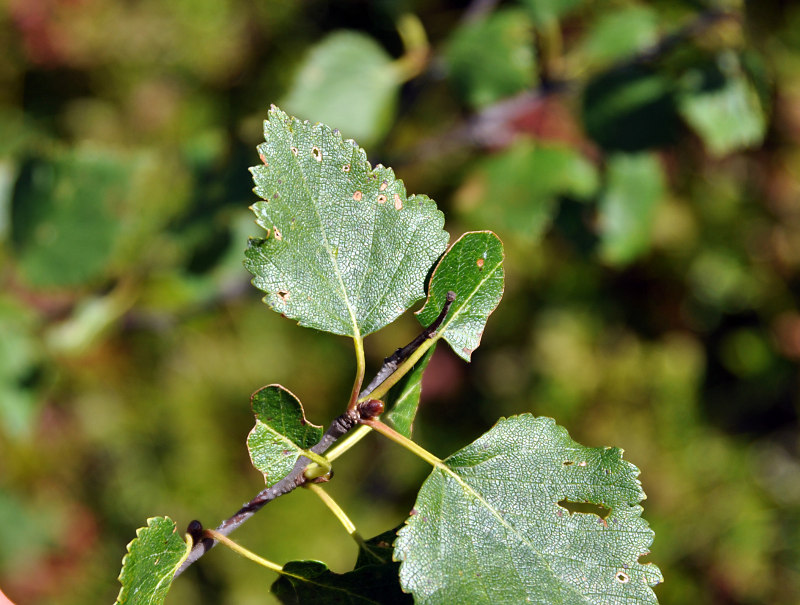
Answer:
(312, 201)
(444, 467)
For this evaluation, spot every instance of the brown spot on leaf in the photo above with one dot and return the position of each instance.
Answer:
(480, 263)
(398, 203)
(316, 153)
(284, 295)
(381, 199)
(294, 150)
(384, 185)
(263, 158)
(357, 196)
(277, 233)
(467, 351)
(346, 168)
(622, 577)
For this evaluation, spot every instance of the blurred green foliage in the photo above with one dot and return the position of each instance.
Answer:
(639, 159)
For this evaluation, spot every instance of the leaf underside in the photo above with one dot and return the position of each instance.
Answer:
(152, 560)
(402, 400)
(347, 251)
(281, 433)
(488, 527)
(473, 269)
(373, 581)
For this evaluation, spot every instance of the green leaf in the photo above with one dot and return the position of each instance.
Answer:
(152, 560)
(628, 206)
(64, 223)
(493, 58)
(546, 11)
(373, 580)
(379, 549)
(402, 400)
(722, 106)
(281, 434)
(473, 269)
(311, 582)
(346, 251)
(488, 526)
(347, 81)
(619, 34)
(82, 216)
(516, 192)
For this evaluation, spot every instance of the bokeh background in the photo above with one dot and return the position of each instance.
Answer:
(640, 161)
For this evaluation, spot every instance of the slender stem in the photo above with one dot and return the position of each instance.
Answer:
(415, 45)
(403, 369)
(239, 549)
(337, 511)
(320, 461)
(339, 427)
(411, 446)
(392, 363)
(345, 444)
(361, 365)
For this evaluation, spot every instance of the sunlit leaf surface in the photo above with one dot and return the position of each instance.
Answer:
(281, 433)
(492, 524)
(473, 269)
(152, 560)
(347, 251)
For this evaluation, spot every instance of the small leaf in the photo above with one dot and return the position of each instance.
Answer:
(628, 206)
(473, 269)
(493, 58)
(516, 192)
(620, 33)
(488, 526)
(281, 434)
(348, 82)
(402, 400)
(346, 251)
(152, 560)
(722, 106)
(311, 582)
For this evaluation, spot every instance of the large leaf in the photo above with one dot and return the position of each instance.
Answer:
(281, 433)
(65, 219)
(473, 269)
(346, 251)
(628, 206)
(516, 192)
(348, 82)
(402, 400)
(152, 560)
(90, 213)
(492, 58)
(374, 579)
(488, 526)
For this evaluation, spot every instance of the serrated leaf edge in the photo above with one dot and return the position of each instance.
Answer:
(150, 522)
(376, 172)
(635, 472)
(301, 451)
